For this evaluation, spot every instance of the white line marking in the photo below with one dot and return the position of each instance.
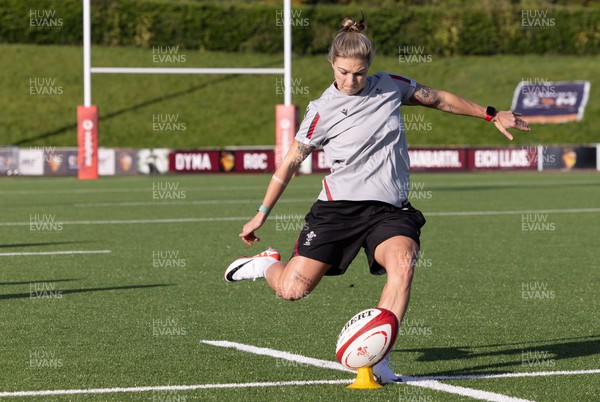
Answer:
(473, 393)
(431, 384)
(517, 212)
(140, 221)
(280, 355)
(108, 190)
(182, 202)
(66, 252)
(505, 375)
(168, 388)
(247, 218)
(315, 187)
(417, 381)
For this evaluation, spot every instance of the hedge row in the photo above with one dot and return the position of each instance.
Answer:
(504, 28)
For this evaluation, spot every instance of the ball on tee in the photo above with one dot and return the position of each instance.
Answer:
(366, 338)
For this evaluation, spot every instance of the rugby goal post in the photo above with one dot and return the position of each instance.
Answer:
(87, 114)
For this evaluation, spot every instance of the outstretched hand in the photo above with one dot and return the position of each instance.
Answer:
(506, 119)
(255, 223)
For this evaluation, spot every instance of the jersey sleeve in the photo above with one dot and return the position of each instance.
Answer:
(405, 85)
(311, 130)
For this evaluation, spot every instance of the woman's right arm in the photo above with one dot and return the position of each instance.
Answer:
(296, 155)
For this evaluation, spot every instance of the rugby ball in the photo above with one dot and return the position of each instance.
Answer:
(366, 338)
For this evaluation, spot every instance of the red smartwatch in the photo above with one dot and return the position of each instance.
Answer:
(490, 113)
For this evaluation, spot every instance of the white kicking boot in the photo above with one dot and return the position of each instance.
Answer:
(251, 267)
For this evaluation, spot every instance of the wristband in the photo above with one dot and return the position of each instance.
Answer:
(490, 113)
(264, 210)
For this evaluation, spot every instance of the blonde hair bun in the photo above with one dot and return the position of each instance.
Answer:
(350, 42)
(349, 25)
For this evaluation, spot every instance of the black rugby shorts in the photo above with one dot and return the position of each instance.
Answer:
(335, 231)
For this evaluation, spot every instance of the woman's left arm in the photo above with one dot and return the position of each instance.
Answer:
(451, 103)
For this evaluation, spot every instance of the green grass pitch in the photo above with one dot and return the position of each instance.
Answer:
(512, 289)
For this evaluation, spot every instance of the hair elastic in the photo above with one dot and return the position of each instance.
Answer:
(278, 180)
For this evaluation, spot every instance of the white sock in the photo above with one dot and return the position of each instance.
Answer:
(261, 264)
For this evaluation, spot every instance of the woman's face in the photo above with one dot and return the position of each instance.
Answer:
(350, 74)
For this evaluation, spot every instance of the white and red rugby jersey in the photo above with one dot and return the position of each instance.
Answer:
(364, 138)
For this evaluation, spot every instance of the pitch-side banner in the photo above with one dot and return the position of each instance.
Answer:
(31, 161)
(9, 161)
(551, 102)
(567, 158)
(194, 161)
(153, 160)
(502, 158)
(438, 159)
(60, 161)
(255, 161)
(239, 161)
(125, 162)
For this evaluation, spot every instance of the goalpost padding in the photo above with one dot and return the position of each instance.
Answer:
(286, 117)
(87, 142)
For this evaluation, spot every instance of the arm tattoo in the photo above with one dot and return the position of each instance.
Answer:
(302, 152)
(294, 157)
(425, 96)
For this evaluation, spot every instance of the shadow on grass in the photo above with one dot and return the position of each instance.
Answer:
(541, 355)
(132, 108)
(70, 291)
